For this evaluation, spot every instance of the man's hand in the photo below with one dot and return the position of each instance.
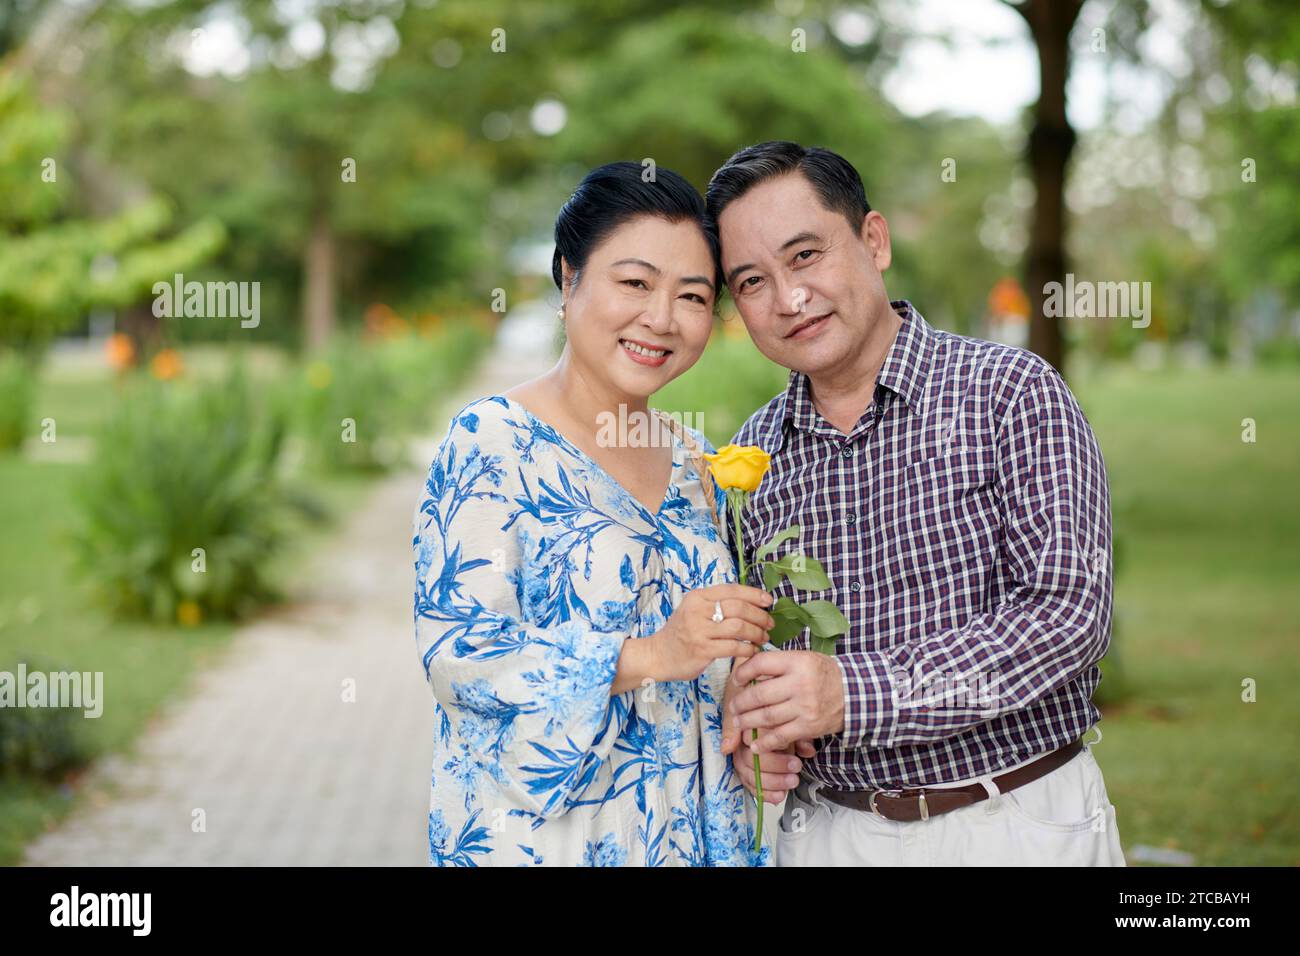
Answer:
(802, 698)
(780, 769)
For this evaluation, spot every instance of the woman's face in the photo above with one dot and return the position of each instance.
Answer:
(642, 309)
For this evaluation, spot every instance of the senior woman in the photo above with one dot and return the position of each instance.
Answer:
(575, 605)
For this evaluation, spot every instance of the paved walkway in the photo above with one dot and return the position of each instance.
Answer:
(285, 770)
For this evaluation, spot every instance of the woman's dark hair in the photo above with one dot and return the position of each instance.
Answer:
(611, 195)
(833, 178)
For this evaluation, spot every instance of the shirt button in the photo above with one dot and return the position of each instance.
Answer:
(846, 451)
(855, 586)
(850, 519)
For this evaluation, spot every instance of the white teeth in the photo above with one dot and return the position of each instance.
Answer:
(639, 350)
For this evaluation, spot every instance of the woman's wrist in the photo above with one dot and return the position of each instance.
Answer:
(637, 663)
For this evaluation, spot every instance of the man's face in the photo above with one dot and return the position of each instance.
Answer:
(807, 284)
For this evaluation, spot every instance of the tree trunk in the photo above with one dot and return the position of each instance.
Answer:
(318, 283)
(1050, 142)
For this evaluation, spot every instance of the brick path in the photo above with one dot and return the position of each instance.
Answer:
(284, 770)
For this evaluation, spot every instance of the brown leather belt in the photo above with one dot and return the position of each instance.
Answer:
(921, 804)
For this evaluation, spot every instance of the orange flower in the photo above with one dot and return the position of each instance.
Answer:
(1007, 298)
(166, 364)
(382, 322)
(119, 351)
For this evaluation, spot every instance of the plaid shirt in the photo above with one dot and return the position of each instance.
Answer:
(965, 526)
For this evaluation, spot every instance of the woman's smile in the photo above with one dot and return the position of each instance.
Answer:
(643, 353)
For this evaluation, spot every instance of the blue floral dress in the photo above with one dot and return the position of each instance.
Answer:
(533, 566)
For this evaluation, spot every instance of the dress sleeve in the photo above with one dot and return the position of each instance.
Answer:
(526, 695)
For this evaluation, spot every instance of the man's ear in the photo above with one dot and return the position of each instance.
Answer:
(875, 233)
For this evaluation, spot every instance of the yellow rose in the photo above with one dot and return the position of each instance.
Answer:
(739, 466)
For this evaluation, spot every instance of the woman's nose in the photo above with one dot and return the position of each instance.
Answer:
(659, 316)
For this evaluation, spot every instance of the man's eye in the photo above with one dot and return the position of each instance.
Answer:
(695, 297)
(745, 284)
(805, 254)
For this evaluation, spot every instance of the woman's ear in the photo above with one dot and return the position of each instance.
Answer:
(566, 276)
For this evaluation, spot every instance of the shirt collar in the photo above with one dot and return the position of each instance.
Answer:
(904, 372)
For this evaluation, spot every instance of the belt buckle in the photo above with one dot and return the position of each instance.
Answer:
(925, 809)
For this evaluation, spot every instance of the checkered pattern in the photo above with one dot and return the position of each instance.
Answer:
(965, 526)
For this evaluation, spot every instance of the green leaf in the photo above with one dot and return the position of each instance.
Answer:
(791, 532)
(824, 645)
(825, 620)
(771, 576)
(805, 573)
(790, 619)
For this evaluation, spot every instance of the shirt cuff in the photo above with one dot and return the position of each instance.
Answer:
(870, 708)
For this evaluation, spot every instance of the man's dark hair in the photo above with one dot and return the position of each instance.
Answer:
(615, 193)
(833, 178)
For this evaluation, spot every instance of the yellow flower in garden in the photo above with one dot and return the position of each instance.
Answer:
(189, 613)
(739, 466)
(119, 351)
(166, 364)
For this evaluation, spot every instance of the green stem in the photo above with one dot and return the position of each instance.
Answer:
(734, 500)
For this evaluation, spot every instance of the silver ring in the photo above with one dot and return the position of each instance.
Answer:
(717, 612)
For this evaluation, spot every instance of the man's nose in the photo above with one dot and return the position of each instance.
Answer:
(792, 298)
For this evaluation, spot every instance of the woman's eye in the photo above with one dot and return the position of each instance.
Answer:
(695, 298)
(636, 283)
(746, 283)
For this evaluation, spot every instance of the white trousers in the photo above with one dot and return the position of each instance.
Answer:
(1063, 818)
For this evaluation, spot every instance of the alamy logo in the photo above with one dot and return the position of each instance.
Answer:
(937, 690)
(75, 689)
(102, 909)
(210, 300)
(638, 429)
(1100, 300)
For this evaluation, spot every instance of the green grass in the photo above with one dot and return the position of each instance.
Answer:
(1208, 593)
(1207, 597)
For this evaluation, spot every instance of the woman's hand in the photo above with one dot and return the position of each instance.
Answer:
(692, 640)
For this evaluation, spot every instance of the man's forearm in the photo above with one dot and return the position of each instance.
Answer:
(941, 687)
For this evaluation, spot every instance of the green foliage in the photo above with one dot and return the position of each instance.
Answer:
(40, 742)
(351, 414)
(52, 271)
(691, 91)
(17, 383)
(30, 134)
(179, 468)
(362, 398)
(730, 382)
(825, 622)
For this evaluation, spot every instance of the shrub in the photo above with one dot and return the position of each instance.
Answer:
(41, 742)
(366, 395)
(348, 409)
(16, 386)
(181, 467)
